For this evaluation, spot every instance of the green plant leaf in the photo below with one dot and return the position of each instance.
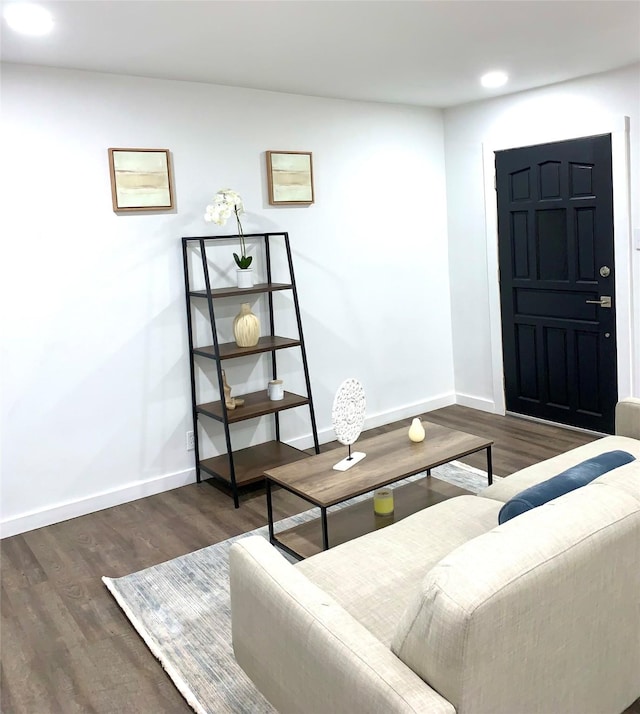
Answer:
(243, 262)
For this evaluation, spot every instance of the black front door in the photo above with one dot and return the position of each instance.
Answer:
(555, 247)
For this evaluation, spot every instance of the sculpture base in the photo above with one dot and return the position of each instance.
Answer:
(349, 461)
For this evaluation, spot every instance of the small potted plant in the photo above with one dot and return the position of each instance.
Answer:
(226, 202)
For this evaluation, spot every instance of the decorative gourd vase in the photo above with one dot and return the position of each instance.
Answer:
(246, 327)
(244, 277)
(416, 431)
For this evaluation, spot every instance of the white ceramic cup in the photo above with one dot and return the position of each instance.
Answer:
(275, 390)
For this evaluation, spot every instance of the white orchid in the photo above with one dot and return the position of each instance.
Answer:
(226, 202)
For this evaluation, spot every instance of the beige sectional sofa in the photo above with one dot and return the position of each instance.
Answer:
(446, 611)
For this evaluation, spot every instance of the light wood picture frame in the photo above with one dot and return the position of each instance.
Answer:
(290, 178)
(140, 179)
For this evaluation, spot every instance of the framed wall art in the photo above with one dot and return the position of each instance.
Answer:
(290, 177)
(140, 179)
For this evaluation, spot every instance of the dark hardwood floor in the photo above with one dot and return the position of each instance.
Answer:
(67, 647)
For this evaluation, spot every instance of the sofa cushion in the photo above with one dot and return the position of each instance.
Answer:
(508, 487)
(512, 620)
(626, 478)
(374, 577)
(628, 417)
(304, 652)
(574, 477)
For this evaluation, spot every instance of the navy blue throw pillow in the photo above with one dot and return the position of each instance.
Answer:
(575, 477)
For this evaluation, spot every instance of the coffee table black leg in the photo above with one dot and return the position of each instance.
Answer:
(270, 512)
(325, 533)
(489, 466)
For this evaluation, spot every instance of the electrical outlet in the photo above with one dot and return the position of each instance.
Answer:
(191, 445)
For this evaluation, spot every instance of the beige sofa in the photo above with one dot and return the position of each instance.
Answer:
(445, 611)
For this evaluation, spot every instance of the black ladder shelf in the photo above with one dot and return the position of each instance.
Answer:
(237, 469)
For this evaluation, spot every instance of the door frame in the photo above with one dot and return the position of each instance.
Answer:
(618, 127)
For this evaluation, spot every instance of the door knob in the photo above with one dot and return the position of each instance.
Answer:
(605, 301)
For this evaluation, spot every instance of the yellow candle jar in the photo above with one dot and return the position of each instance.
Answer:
(383, 502)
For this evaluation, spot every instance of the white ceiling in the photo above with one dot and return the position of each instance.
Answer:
(423, 52)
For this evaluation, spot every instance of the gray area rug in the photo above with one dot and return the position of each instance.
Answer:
(181, 609)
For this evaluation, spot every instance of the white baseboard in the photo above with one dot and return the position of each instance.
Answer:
(140, 489)
(480, 403)
(106, 499)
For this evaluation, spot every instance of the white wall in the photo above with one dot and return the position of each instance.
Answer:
(96, 401)
(591, 105)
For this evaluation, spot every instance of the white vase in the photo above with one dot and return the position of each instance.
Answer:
(246, 327)
(244, 277)
(416, 431)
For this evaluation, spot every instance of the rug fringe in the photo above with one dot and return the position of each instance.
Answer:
(173, 673)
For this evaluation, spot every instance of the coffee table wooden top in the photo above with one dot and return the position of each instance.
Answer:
(390, 457)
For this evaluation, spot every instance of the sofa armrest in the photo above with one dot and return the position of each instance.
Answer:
(628, 417)
(304, 652)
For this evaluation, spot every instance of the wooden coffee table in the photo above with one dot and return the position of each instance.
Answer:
(390, 457)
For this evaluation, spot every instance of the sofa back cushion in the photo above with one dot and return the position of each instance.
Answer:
(503, 489)
(574, 477)
(628, 417)
(541, 614)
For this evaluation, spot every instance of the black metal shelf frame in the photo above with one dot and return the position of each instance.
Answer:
(214, 351)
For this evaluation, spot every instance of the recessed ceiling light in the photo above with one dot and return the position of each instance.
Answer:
(494, 79)
(27, 18)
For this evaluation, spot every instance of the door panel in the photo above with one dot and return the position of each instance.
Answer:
(553, 304)
(555, 233)
(552, 245)
(557, 366)
(527, 363)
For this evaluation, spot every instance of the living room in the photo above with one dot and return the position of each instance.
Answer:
(393, 262)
